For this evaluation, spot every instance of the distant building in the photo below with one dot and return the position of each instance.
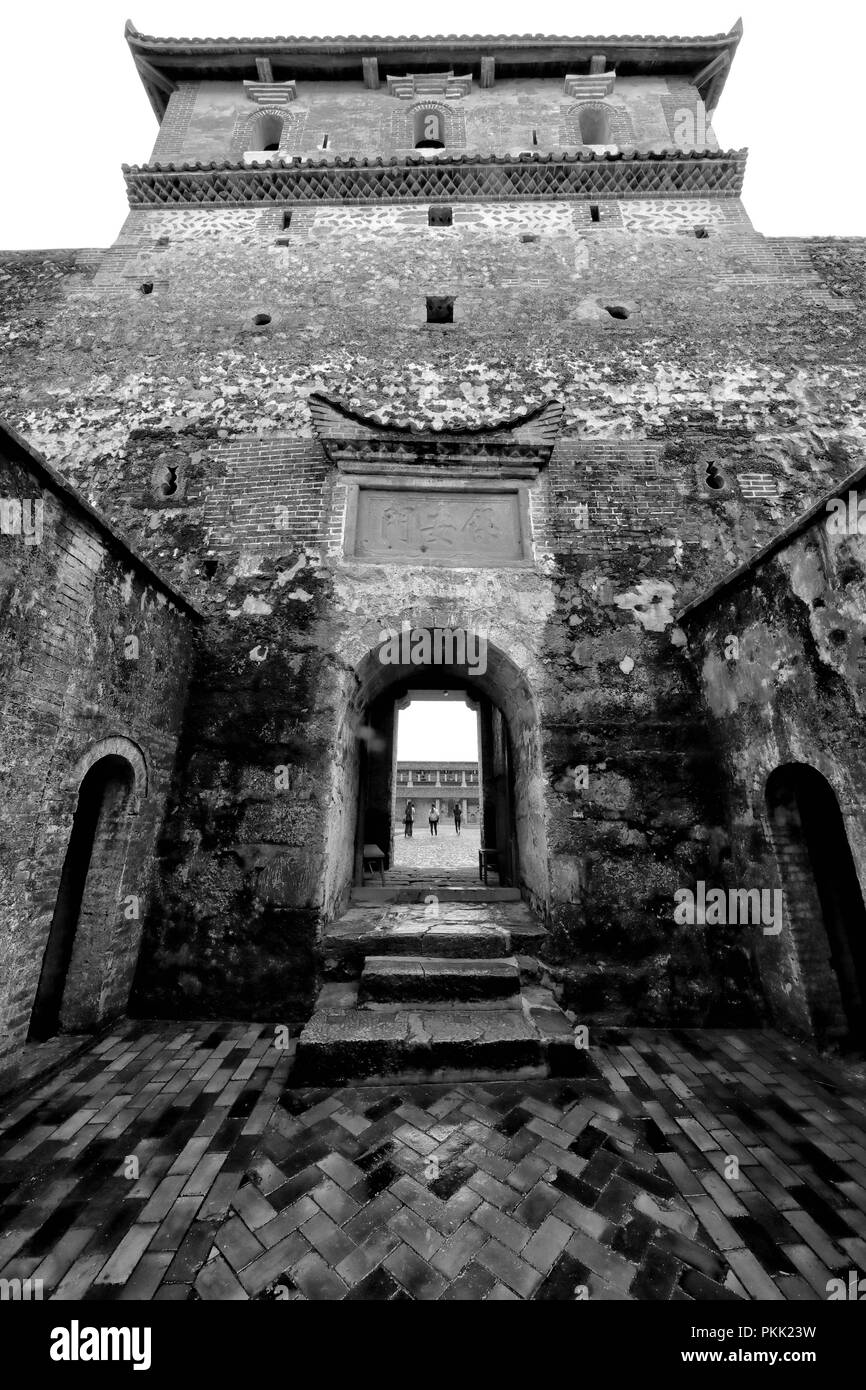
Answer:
(444, 783)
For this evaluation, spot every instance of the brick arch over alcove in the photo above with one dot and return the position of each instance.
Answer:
(403, 125)
(369, 720)
(117, 746)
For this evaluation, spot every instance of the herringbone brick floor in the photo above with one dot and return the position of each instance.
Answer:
(173, 1162)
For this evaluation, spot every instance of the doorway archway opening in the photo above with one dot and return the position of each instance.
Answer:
(511, 796)
(77, 953)
(824, 900)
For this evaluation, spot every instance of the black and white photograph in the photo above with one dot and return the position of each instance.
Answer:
(432, 677)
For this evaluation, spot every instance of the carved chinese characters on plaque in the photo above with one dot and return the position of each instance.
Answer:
(457, 528)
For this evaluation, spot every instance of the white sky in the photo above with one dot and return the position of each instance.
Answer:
(428, 730)
(74, 109)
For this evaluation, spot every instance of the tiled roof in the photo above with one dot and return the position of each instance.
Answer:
(585, 156)
(379, 40)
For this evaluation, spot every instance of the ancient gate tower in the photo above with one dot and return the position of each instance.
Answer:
(470, 334)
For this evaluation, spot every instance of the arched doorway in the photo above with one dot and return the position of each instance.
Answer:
(77, 954)
(512, 791)
(824, 900)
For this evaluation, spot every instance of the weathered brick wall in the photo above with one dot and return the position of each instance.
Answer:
(74, 687)
(215, 120)
(780, 656)
(738, 354)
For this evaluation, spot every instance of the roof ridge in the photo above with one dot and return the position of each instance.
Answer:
(132, 32)
(626, 154)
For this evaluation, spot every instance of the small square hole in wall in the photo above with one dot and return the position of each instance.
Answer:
(440, 308)
(442, 216)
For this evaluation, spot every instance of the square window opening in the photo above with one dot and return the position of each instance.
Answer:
(440, 308)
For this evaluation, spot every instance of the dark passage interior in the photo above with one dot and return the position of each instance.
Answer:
(824, 899)
(73, 963)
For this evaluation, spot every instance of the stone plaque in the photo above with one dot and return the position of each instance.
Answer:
(439, 528)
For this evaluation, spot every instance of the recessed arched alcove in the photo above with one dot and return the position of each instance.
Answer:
(823, 897)
(110, 780)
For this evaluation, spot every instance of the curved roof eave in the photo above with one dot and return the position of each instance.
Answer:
(163, 62)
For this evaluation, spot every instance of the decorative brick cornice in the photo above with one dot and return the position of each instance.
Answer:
(589, 85)
(468, 178)
(429, 84)
(355, 443)
(270, 93)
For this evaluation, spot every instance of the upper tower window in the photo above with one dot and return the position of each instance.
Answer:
(594, 121)
(427, 126)
(266, 132)
(598, 123)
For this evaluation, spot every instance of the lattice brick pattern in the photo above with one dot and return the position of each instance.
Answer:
(351, 181)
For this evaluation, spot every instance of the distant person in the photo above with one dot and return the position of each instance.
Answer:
(434, 819)
(458, 816)
(409, 819)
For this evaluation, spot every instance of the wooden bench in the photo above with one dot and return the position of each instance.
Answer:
(485, 858)
(375, 858)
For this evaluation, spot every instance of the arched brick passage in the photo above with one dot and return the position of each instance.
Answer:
(78, 954)
(116, 747)
(510, 749)
(823, 899)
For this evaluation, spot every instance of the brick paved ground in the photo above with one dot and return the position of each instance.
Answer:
(447, 850)
(619, 1182)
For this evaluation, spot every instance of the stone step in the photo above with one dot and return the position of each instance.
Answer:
(418, 893)
(526, 1035)
(424, 979)
(413, 1044)
(470, 931)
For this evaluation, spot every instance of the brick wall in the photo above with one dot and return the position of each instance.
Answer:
(805, 920)
(209, 120)
(272, 494)
(95, 658)
(732, 355)
(791, 692)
